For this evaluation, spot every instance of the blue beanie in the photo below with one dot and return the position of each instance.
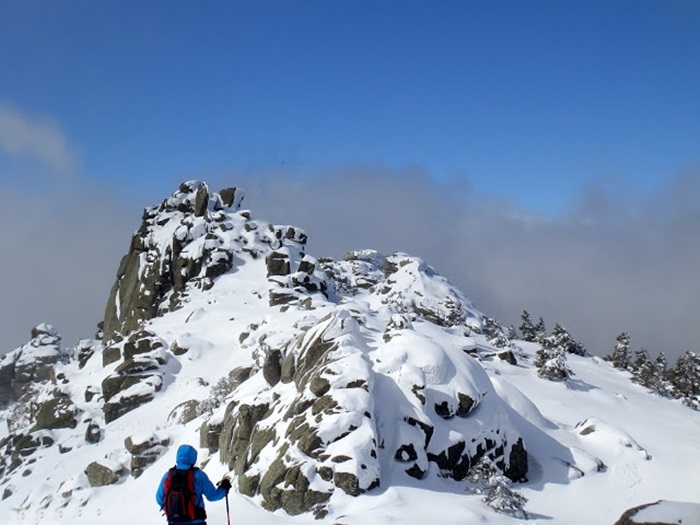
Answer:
(186, 457)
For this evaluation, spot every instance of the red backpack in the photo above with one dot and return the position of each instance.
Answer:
(179, 501)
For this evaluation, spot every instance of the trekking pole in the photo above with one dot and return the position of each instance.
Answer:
(228, 514)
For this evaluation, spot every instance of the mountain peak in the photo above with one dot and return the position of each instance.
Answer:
(310, 381)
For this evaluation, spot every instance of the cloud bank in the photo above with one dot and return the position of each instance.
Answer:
(36, 138)
(616, 263)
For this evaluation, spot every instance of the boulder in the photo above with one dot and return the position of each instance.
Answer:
(101, 475)
(664, 512)
(184, 412)
(57, 412)
(144, 451)
(29, 364)
(93, 433)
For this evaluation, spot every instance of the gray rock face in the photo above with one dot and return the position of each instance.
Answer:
(20, 448)
(30, 364)
(57, 412)
(144, 451)
(332, 433)
(138, 375)
(100, 475)
(159, 265)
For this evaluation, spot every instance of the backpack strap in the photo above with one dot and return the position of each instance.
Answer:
(167, 486)
(190, 487)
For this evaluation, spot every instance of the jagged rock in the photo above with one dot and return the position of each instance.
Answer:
(177, 349)
(100, 475)
(93, 433)
(57, 412)
(517, 465)
(144, 451)
(239, 375)
(156, 270)
(453, 461)
(209, 435)
(236, 436)
(288, 368)
(272, 367)
(184, 412)
(30, 364)
(7, 373)
(278, 264)
(18, 449)
(295, 497)
(85, 349)
(141, 342)
(90, 393)
(127, 402)
(137, 377)
(348, 483)
(111, 354)
(508, 356)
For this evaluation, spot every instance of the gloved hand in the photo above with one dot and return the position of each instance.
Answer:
(224, 484)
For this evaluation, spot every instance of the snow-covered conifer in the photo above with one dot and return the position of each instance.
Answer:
(685, 379)
(643, 370)
(551, 361)
(540, 331)
(620, 357)
(562, 338)
(495, 487)
(495, 333)
(527, 329)
(662, 386)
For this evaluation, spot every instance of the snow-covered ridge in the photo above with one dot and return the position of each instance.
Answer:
(318, 385)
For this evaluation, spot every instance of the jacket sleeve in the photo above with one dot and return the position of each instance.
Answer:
(160, 493)
(204, 486)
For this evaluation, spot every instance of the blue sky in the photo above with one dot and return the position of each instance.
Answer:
(526, 100)
(543, 155)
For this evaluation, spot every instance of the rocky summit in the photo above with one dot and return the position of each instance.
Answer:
(307, 380)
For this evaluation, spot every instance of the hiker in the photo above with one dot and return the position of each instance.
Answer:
(183, 488)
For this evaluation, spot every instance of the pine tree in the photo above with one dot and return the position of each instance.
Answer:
(498, 495)
(551, 361)
(643, 370)
(540, 331)
(494, 333)
(512, 333)
(527, 330)
(620, 358)
(562, 338)
(662, 386)
(685, 379)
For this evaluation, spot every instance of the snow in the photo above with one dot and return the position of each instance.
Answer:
(597, 443)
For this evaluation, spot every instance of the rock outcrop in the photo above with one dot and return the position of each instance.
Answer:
(30, 364)
(179, 242)
(359, 398)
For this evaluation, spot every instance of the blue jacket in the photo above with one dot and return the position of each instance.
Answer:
(203, 487)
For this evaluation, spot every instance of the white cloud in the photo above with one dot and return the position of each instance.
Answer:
(36, 138)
